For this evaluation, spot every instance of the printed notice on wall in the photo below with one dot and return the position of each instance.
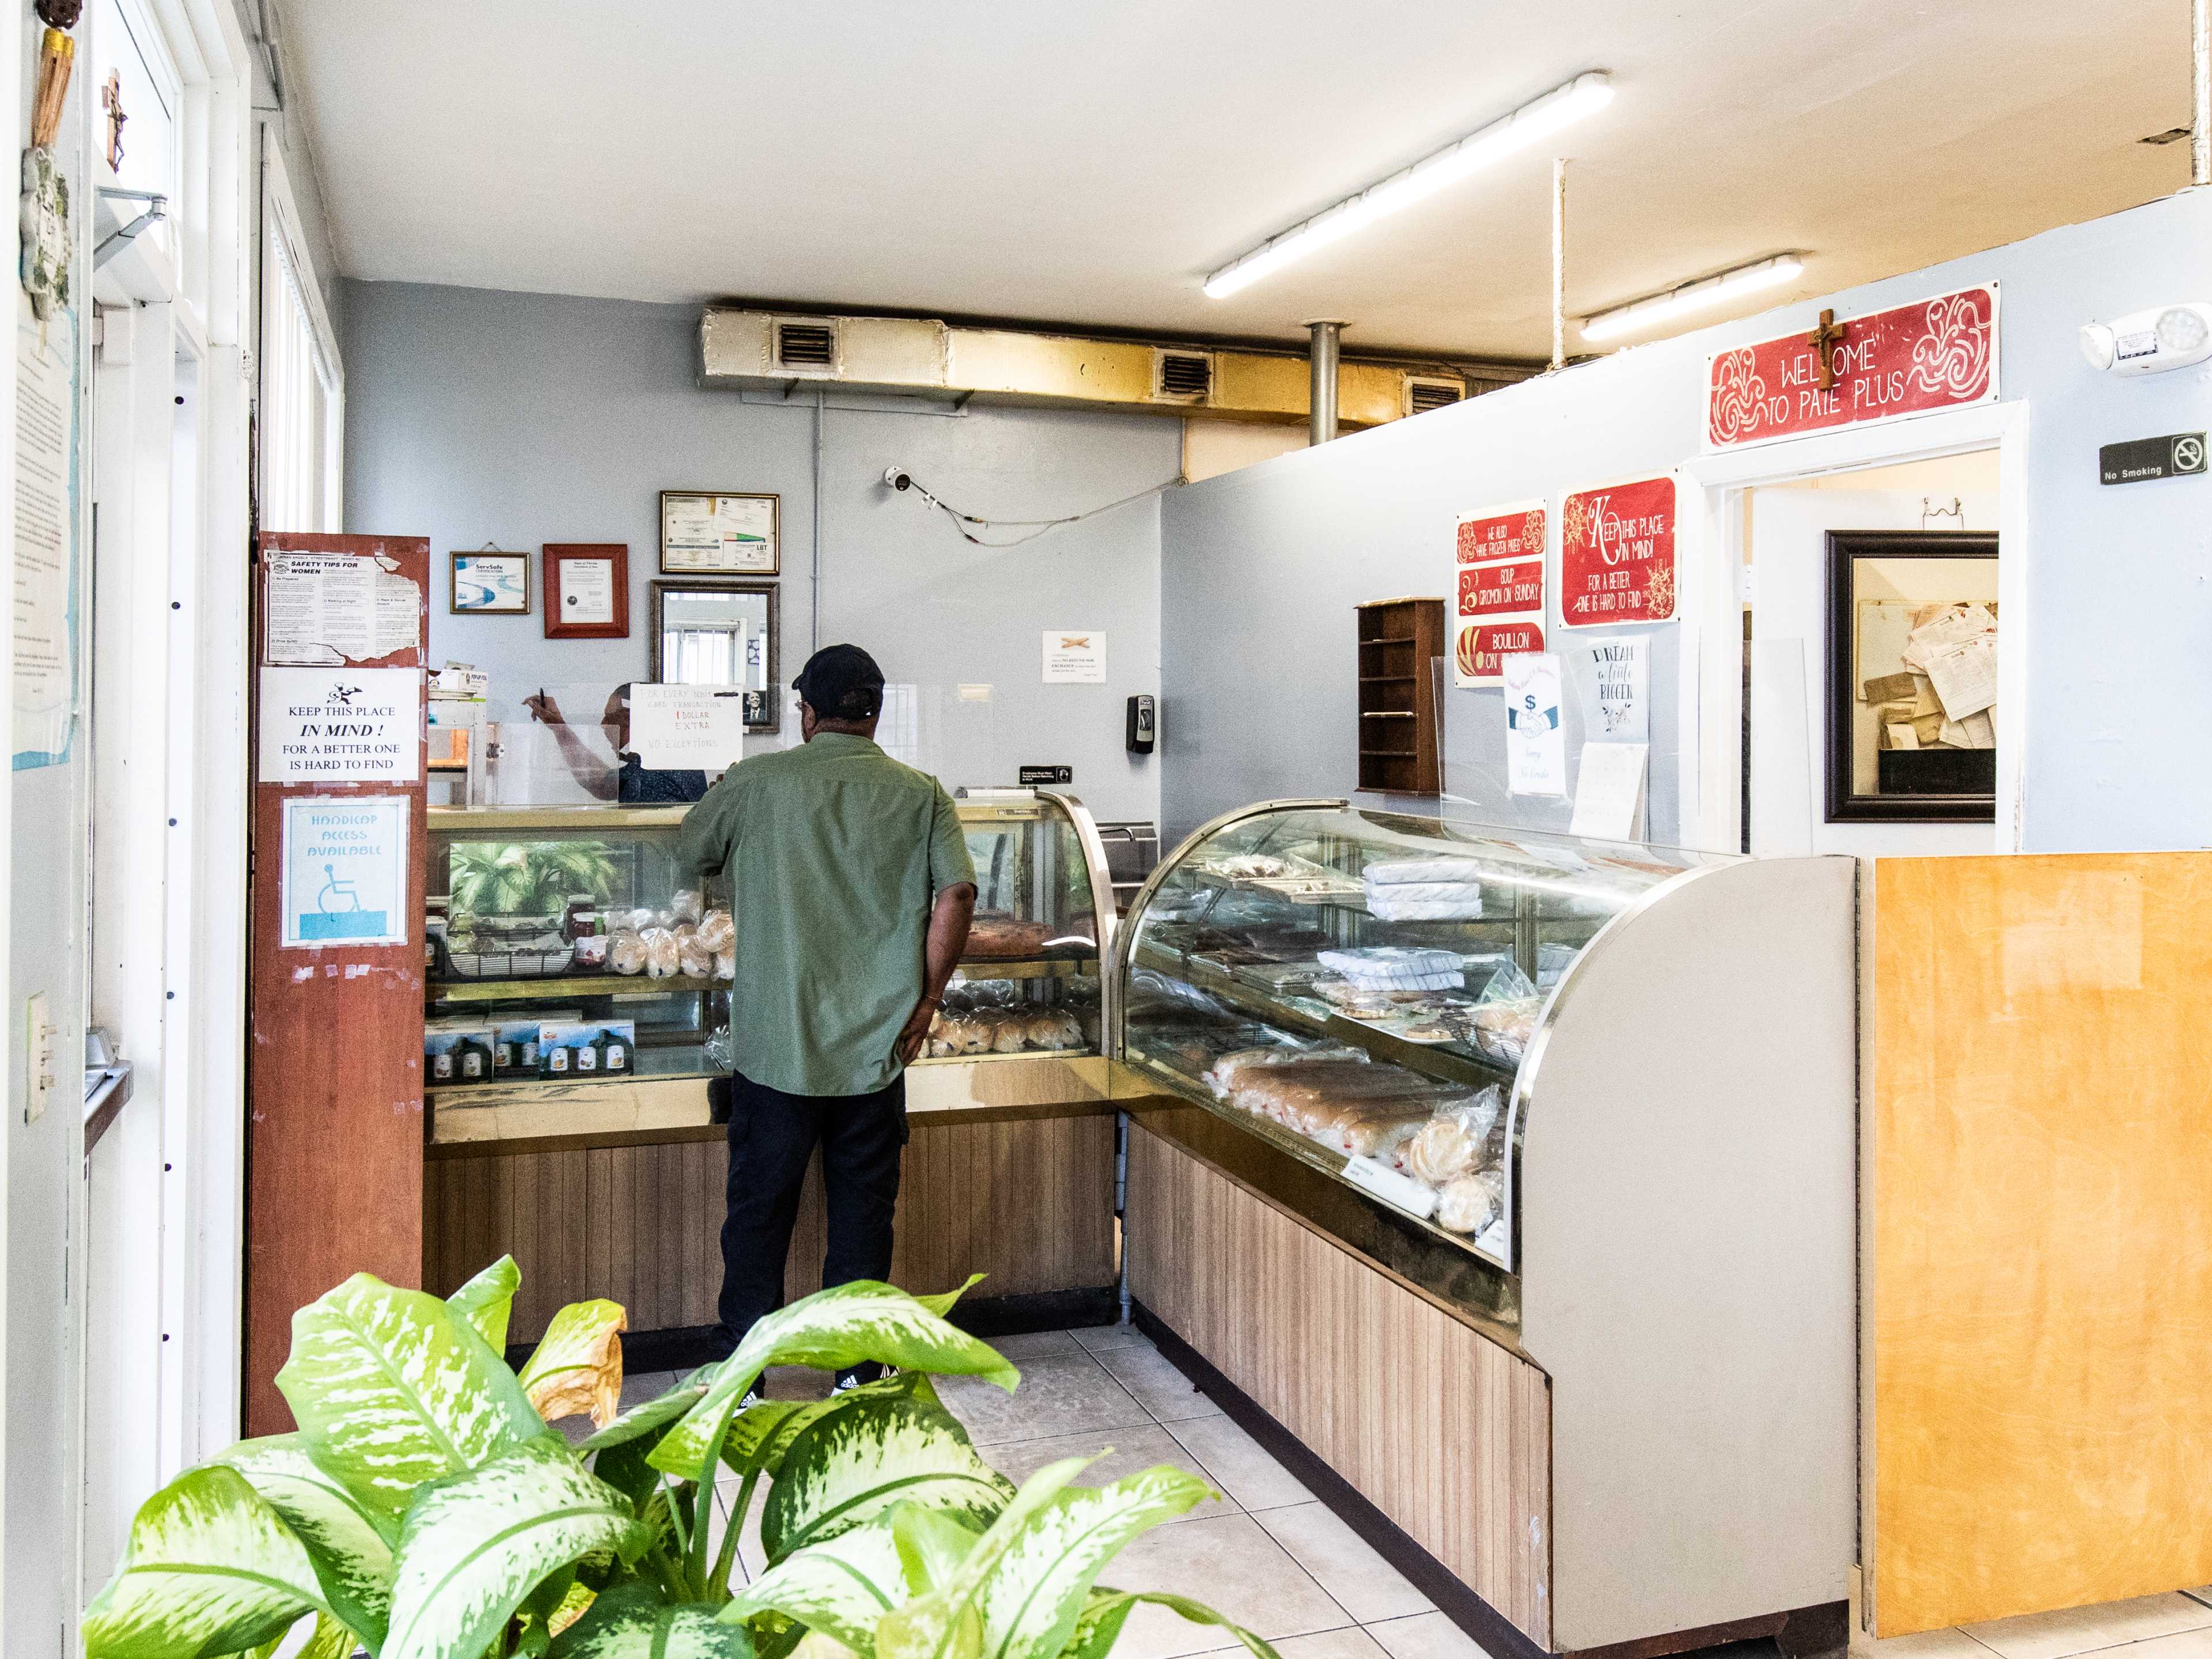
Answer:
(1536, 742)
(45, 539)
(587, 591)
(1499, 552)
(341, 726)
(1617, 553)
(345, 869)
(334, 608)
(1074, 656)
(1614, 679)
(682, 728)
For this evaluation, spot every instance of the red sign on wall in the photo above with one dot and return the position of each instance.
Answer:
(1935, 354)
(1500, 608)
(1501, 590)
(1481, 645)
(1617, 553)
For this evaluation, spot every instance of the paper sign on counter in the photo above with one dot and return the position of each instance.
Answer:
(1614, 676)
(1609, 794)
(688, 727)
(341, 726)
(1536, 744)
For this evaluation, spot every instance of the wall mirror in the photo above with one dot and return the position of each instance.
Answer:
(1913, 676)
(719, 632)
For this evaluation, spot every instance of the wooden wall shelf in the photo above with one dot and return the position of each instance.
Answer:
(1398, 638)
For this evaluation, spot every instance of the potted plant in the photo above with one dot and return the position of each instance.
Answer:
(424, 1509)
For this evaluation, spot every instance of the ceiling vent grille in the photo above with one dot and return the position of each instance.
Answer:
(806, 345)
(1185, 376)
(1424, 393)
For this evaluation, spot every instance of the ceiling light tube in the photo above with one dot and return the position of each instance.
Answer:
(1529, 124)
(1702, 294)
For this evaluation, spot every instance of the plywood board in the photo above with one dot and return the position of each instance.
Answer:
(2041, 1261)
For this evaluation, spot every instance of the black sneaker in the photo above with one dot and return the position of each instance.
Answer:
(755, 1393)
(853, 1376)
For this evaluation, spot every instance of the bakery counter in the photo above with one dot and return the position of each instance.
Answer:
(1548, 1143)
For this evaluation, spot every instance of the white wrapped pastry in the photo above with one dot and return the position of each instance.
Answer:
(694, 959)
(1054, 1029)
(663, 956)
(941, 1042)
(975, 1037)
(1010, 1033)
(725, 964)
(1471, 1202)
(626, 952)
(688, 905)
(1441, 1151)
(716, 930)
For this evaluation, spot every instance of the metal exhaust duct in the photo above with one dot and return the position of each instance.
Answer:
(1321, 377)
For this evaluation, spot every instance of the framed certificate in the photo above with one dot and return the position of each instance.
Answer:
(586, 591)
(712, 533)
(490, 583)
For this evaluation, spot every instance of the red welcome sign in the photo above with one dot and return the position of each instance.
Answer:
(1480, 646)
(1617, 553)
(1503, 532)
(1934, 354)
(1497, 590)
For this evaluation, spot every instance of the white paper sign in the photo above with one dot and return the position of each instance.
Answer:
(587, 591)
(336, 607)
(1609, 793)
(1535, 745)
(1615, 678)
(340, 724)
(687, 727)
(1074, 656)
(44, 619)
(345, 869)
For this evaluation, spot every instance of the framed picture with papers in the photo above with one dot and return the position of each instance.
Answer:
(1911, 677)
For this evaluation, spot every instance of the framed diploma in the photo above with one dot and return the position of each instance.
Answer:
(586, 591)
(490, 583)
(714, 533)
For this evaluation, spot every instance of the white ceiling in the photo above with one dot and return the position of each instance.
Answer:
(1091, 163)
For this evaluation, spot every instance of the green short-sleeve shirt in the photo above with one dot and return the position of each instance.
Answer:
(834, 853)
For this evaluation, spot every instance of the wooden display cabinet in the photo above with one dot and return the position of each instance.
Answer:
(1398, 743)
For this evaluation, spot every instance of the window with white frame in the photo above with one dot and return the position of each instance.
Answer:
(301, 424)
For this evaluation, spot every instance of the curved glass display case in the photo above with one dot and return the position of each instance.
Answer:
(1364, 990)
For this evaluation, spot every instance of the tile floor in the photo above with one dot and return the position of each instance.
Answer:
(1269, 1555)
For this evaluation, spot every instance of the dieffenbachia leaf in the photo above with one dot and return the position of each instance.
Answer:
(392, 1389)
(209, 1568)
(630, 1622)
(477, 1544)
(653, 1415)
(578, 1365)
(846, 1324)
(1098, 1627)
(852, 1464)
(760, 1436)
(487, 1300)
(842, 1587)
(349, 1547)
(932, 1547)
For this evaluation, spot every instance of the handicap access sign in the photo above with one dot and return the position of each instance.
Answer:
(345, 869)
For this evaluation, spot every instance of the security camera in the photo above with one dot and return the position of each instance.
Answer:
(898, 477)
(2150, 342)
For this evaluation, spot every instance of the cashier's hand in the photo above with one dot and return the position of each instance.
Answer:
(544, 708)
(915, 1032)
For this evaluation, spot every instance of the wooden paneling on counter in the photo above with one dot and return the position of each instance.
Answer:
(1028, 1203)
(1441, 1429)
(2041, 1173)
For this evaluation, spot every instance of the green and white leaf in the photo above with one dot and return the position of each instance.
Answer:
(349, 1547)
(210, 1567)
(392, 1389)
(653, 1415)
(842, 1587)
(487, 1300)
(1099, 1624)
(760, 1436)
(476, 1544)
(631, 1623)
(852, 1464)
(844, 1325)
(932, 1547)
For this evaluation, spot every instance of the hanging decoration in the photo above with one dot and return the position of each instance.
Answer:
(59, 14)
(45, 202)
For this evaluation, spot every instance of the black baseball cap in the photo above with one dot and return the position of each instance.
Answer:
(841, 682)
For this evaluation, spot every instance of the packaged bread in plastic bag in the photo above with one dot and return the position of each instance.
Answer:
(688, 905)
(717, 931)
(626, 952)
(1506, 1013)
(1469, 1203)
(663, 956)
(725, 964)
(1452, 1142)
(694, 959)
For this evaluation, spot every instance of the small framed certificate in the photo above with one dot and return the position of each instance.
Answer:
(586, 591)
(720, 533)
(490, 583)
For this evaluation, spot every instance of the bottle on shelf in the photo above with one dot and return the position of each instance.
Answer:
(472, 1061)
(616, 1055)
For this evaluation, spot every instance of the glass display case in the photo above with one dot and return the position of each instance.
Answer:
(1363, 990)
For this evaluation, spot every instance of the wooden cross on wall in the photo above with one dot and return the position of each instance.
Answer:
(1824, 340)
(111, 100)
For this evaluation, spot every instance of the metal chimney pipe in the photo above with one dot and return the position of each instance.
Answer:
(2200, 108)
(1322, 360)
(1559, 258)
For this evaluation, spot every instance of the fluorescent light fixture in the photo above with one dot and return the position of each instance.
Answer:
(1704, 293)
(1531, 123)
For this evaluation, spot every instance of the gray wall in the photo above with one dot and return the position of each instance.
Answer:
(1262, 566)
(474, 417)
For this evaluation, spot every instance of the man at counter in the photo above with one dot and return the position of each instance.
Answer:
(634, 784)
(853, 890)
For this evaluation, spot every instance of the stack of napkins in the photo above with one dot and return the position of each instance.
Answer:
(1423, 890)
(1395, 968)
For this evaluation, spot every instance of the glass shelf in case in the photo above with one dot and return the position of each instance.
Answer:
(1362, 988)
